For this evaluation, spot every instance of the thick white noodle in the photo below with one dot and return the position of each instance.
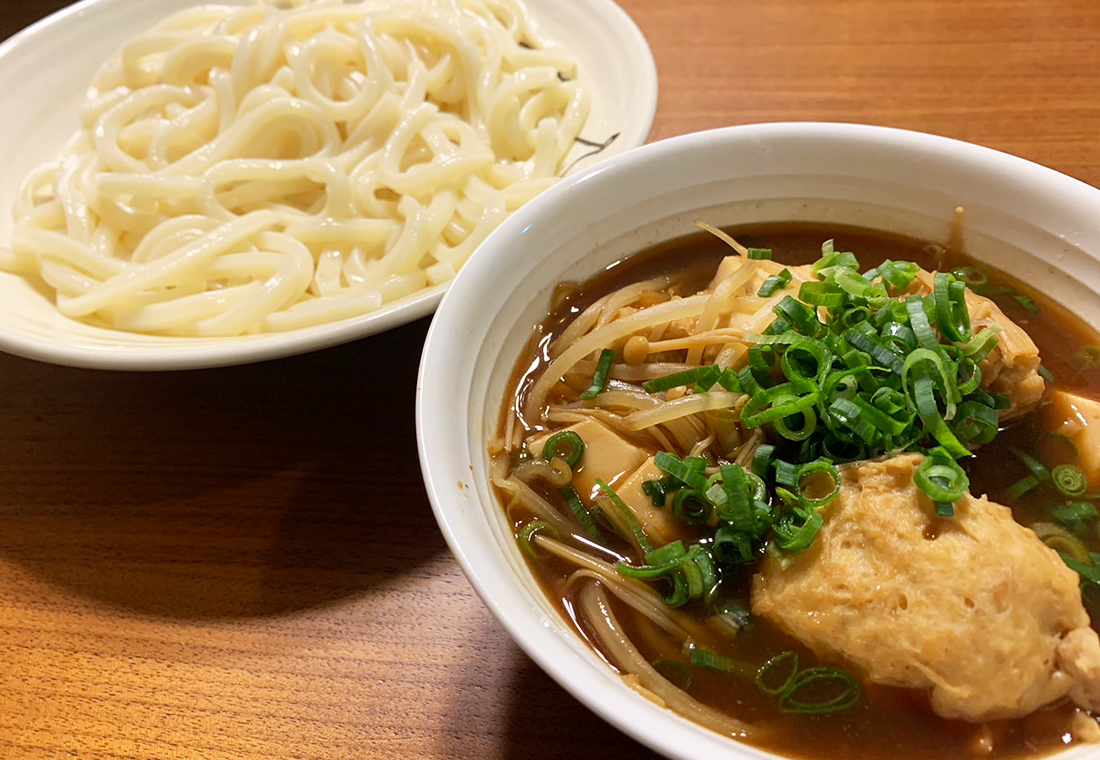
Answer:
(277, 166)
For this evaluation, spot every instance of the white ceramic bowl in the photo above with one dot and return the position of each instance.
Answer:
(1037, 224)
(45, 70)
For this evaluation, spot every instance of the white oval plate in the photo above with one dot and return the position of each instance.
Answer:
(44, 71)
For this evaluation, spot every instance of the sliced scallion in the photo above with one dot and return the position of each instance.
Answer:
(599, 379)
(566, 445)
(1069, 480)
(527, 534)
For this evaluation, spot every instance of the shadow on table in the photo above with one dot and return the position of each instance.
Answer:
(544, 722)
(225, 493)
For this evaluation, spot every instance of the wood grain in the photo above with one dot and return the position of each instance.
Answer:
(242, 563)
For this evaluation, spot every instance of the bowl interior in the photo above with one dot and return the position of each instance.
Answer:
(1021, 218)
(45, 70)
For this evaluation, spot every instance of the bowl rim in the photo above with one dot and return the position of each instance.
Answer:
(122, 350)
(658, 728)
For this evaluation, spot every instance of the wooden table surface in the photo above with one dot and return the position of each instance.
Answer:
(242, 563)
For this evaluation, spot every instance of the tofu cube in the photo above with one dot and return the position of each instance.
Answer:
(1077, 417)
(657, 522)
(607, 455)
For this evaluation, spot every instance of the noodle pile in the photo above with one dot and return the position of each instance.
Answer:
(264, 168)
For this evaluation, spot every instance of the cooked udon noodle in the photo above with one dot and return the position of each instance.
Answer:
(267, 168)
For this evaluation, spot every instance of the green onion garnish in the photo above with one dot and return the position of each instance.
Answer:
(1069, 480)
(599, 379)
(1087, 358)
(760, 253)
(775, 282)
(631, 519)
(690, 476)
(810, 472)
(568, 440)
(690, 507)
(804, 693)
(527, 534)
(762, 459)
(658, 490)
(783, 666)
(795, 531)
(1090, 573)
(813, 691)
(687, 377)
(1037, 468)
(941, 479)
(1075, 516)
(582, 515)
(704, 658)
(1028, 303)
(971, 276)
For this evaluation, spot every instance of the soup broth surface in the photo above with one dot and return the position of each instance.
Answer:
(888, 722)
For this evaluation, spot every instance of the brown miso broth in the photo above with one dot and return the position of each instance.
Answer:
(888, 722)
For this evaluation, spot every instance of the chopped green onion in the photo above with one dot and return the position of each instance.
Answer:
(728, 380)
(897, 274)
(803, 317)
(762, 459)
(582, 515)
(786, 474)
(599, 379)
(708, 660)
(1046, 374)
(1037, 468)
(775, 282)
(821, 294)
(762, 358)
(732, 546)
(527, 534)
(760, 253)
(972, 276)
(786, 665)
(659, 562)
(863, 337)
(1090, 573)
(775, 403)
(858, 286)
(657, 490)
(1069, 480)
(570, 441)
(1028, 303)
(941, 479)
(976, 423)
(737, 504)
(1087, 358)
(814, 680)
(675, 380)
(690, 507)
(794, 537)
(683, 472)
(847, 413)
(1022, 486)
(1074, 516)
(803, 352)
(983, 342)
(832, 261)
(628, 514)
(811, 470)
